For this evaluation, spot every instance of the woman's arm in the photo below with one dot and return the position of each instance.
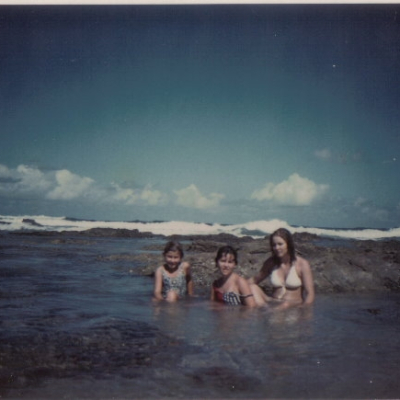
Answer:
(158, 284)
(263, 273)
(308, 282)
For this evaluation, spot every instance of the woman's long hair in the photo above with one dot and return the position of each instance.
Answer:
(288, 238)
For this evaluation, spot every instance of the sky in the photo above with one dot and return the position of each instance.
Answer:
(206, 113)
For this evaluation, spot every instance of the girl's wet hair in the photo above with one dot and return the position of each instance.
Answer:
(173, 246)
(288, 238)
(223, 251)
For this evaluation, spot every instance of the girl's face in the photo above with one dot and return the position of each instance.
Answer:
(173, 258)
(226, 264)
(279, 246)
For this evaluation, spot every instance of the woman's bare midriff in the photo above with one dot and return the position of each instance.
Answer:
(292, 295)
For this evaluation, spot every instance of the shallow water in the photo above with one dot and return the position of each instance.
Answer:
(76, 324)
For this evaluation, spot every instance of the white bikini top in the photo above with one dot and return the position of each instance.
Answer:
(292, 280)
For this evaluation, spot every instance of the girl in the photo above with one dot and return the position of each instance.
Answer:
(290, 275)
(173, 279)
(230, 288)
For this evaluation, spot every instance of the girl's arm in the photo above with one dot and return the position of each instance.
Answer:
(245, 292)
(308, 283)
(158, 284)
(263, 273)
(212, 297)
(189, 280)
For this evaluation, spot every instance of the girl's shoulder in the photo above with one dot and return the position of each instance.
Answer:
(159, 270)
(236, 278)
(185, 265)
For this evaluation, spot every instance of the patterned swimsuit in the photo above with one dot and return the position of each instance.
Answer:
(176, 283)
(230, 298)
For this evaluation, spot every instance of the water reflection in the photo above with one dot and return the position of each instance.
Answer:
(73, 327)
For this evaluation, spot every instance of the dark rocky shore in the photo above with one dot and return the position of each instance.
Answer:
(339, 265)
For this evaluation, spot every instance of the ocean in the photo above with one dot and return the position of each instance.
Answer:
(77, 321)
(255, 229)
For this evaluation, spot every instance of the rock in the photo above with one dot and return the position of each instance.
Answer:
(31, 222)
(110, 232)
(338, 265)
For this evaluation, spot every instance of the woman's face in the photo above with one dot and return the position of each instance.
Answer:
(226, 264)
(279, 246)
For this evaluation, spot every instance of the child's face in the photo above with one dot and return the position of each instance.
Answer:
(226, 264)
(173, 258)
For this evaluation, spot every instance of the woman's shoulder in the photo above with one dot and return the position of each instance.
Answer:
(302, 263)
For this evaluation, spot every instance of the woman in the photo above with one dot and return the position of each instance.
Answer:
(290, 275)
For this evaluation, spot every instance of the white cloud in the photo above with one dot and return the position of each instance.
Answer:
(323, 154)
(118, 194)
(295, 191)
(5, 172)
(32, 179)
(23, 181)
(28, 182)
(192, 197)
(131, 196)
(69, 186)
(152, 197)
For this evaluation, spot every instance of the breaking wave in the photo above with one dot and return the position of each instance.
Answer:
(256, 229)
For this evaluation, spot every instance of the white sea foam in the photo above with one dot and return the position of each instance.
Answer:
(255, 229)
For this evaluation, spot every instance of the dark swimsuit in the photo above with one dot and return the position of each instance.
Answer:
(230, 298)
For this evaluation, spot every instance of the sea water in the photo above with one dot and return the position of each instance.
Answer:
(79, 323)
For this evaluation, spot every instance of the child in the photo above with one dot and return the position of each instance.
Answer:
(231, 288)
(173, 279)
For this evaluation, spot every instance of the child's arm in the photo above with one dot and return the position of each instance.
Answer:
(245, 292)
(212, 298)
(158, 284)
(189, 280)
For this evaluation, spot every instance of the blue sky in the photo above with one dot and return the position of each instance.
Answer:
(224, 114)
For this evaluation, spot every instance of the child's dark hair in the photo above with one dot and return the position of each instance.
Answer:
(223, 251)
(173, 246)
